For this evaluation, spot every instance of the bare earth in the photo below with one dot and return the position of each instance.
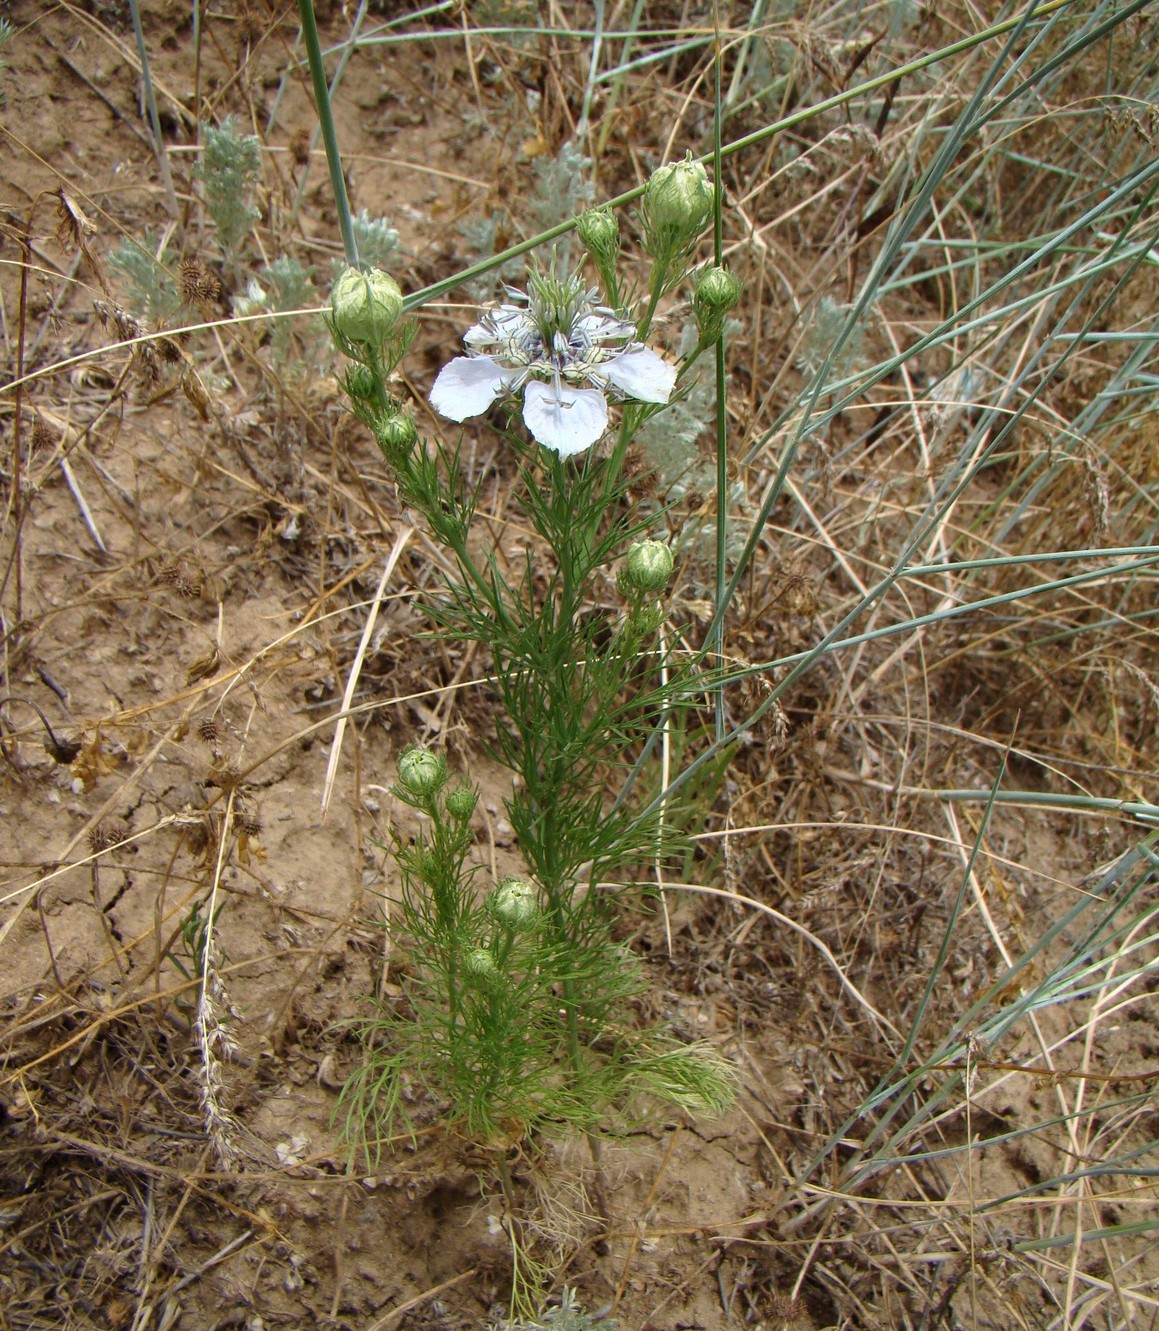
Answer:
(199, 543)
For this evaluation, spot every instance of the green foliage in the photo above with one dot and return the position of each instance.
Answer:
(229, 169)
(287, 287)
(519, 1024)
(150, 291)
(482, 237)
(673, 445)
(518, 16)
(562, 188)
(376, 239)
(824, 325)
(567, 1315)
(5, 37)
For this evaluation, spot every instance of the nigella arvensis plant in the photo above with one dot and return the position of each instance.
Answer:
(546, 345)
(514, 1007)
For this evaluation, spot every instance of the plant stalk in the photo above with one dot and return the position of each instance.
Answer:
(329, 133)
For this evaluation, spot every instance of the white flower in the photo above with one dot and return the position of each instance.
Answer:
(556, 339)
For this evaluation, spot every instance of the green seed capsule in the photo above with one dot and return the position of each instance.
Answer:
(717, 292)
(421, 773)
(365, 306)
(480, 963)
(648, 567)
(677, 207)
(461, 803)
(513, 904)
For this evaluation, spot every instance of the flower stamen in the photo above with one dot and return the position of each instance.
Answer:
(556, 333)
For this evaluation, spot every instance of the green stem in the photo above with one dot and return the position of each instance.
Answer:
(656, 284)
(721, 426)
(329, 133)
(895, 75)
(154, 118)
(561, 668)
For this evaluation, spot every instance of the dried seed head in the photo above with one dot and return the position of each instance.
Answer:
(196, 394)
(74, 226)
(300, 147)
(204, 666)
(169, 351)
(109, 833)
(198, 285)
(172, 573)
(224, 774)
(248, 821)
(125, 326)
(211, 731)
(43, 434)
(782, 1308)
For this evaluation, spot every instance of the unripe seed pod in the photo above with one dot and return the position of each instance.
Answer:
(480, 963)
(717, 292)
(421, 773)
(648, 567)
(513, 904)
(362, 383)
(646, 619)
(461, 803)
(678, 203)
(396, 435)
(365, 306)
(599, 233)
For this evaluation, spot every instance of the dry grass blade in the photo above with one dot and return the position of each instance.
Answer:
(915, 895)
(356, 667)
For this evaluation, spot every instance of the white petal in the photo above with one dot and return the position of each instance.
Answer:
(467, 386)
(597, 327)
(566, 420)
(641, 374)
(500, 325)
(478, 335)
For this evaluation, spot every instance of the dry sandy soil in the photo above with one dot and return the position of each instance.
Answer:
(198, 543)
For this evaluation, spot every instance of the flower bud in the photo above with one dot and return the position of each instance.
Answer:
(648, 567)
(421, 773)
(644, 620)
(717, 292)
(426, 866)
(396, 436)
(362, 383)
(461, 803)
(513, 904)
(480, 963)
(677, 207)
(599, 233)
(365, 306)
